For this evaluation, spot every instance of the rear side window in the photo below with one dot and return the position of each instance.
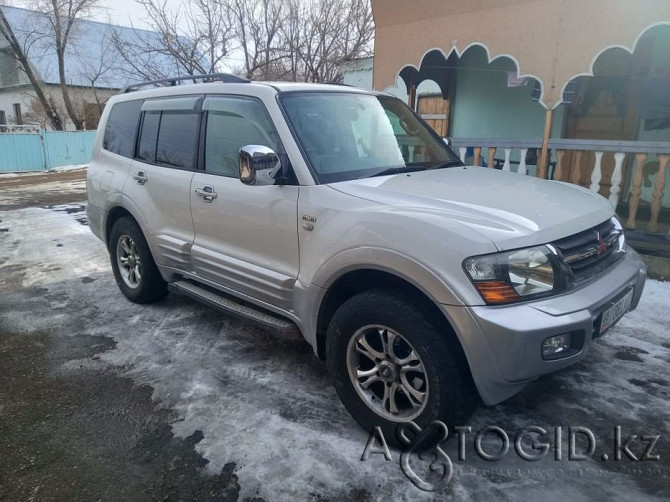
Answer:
(177, 135)
(170, 131)
(121, 128)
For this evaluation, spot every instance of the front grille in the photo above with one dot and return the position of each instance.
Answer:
(590, 252)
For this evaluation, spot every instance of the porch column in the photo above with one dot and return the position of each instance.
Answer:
(543, 160)
(411, 98)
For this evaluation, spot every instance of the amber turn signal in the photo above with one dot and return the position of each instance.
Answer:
(495, 292)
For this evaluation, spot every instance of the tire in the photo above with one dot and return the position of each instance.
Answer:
(449, 394)
(134, 268)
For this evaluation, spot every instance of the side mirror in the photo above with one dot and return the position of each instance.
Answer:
(259, 165)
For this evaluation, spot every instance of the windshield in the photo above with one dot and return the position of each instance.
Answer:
(351, 136)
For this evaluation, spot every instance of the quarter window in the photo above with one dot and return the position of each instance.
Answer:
(147, 147)
(121, 128)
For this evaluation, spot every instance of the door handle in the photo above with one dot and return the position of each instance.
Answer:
(140, 177)
(207, 193)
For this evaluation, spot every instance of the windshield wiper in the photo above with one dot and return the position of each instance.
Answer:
(399, 170)
(450, 163)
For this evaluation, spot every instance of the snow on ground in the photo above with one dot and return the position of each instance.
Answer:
(72, 167)
(59, 169)
(266, 403)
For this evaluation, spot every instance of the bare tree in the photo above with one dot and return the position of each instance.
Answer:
(331, 31)
(20, 50)
(94, 69)
(194, 39)
(261, 38)
(61, 18)
(300, 40)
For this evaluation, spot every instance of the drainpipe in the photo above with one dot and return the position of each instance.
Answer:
(543, 161)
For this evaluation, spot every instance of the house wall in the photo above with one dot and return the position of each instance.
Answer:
(554, 40)
(25, 96)
(485, 107)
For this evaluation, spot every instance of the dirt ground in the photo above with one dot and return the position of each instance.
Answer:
(101, 399)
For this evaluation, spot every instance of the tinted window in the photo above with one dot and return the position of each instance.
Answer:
(177, 139)
(122, 127)
(231, 124)
(148, 137)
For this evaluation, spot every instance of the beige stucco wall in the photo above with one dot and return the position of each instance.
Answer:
(552, 40)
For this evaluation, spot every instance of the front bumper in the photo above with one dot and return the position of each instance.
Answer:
(503, 344)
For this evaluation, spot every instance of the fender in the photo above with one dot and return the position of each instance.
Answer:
(310, 292)
(386, 260)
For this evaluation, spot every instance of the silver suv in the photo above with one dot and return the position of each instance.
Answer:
(424, 283)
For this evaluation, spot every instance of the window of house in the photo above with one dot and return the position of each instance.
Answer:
(121, 128)
(231, 124)
(3, 117)
(17, 114)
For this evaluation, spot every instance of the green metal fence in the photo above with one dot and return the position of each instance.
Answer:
(44, 150)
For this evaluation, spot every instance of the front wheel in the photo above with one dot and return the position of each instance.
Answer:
(392, 362)
(134, 268)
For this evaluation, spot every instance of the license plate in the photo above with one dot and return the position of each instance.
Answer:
(616, 311)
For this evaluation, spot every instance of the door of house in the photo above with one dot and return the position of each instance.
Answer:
(435, 111)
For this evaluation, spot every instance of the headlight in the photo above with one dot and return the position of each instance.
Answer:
(621, 243)
(514, 276)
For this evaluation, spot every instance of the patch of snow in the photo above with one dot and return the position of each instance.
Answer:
(74, 167)
(14, 174)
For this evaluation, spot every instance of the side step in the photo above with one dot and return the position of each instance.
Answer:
(262, 318)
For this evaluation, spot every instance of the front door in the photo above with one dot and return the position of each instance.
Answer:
(246, 237)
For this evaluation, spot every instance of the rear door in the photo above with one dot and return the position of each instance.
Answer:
(246, 237)
(160, 176)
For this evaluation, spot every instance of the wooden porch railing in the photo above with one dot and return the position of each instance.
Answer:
(490, 148)
(570, 161)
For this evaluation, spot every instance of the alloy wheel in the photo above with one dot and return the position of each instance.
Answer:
(387, 373)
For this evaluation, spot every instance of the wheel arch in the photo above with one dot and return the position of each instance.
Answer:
(115, 214)
(120, 207)
(351, 282)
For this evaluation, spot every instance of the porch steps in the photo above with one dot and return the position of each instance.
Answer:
(235, 308)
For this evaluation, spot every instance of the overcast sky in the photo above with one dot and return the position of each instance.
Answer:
(123, 12)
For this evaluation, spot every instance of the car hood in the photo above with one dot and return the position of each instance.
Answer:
(511, 210)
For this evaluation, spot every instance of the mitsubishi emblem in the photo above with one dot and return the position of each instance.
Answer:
(602, 247)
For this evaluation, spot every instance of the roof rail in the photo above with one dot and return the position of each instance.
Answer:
(226, 78)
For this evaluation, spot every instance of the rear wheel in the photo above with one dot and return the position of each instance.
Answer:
(134, 269)
(392, 362)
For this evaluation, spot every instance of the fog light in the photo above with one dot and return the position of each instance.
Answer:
(554, 346)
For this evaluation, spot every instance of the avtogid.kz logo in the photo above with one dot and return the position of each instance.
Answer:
(426, 448)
